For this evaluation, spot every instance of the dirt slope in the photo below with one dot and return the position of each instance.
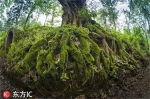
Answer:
(135, 87)
(5, 84)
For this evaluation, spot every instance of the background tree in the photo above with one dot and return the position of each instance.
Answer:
(27, 8)
(108, 12)
(139, 14)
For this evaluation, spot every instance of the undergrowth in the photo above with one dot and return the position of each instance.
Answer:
(2, 42)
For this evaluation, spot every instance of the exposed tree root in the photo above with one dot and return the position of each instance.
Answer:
(69, 59)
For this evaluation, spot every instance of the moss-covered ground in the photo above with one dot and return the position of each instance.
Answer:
(70, 59)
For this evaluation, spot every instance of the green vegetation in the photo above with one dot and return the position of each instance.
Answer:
(85, 53)
(70, 58)
(2, 42)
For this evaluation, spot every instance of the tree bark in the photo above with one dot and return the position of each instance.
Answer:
(71, 10)
(52, 19)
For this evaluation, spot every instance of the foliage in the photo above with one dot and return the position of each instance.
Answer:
(135, 38)
(18, 9)
(108, 14)
(2, 42)
(26, 8)
(139, 15)
(84, 12)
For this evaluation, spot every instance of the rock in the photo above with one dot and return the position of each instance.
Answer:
(80, 97)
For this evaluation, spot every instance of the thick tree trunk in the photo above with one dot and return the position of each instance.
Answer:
(71, 10)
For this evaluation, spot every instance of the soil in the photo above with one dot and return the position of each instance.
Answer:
(132, 86)
(127, 86)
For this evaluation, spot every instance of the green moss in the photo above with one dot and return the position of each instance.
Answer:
(95, 51)
(64, 48)
(106, 61)
(2, 42)
(89, 59)
(64, 77)
(41, 64)
(22, 68)
(88, 72)
(76, 55)
(113, 72)
(50, 61)
(84, 45)
(82, 31)
(103, 74)
(67, 59)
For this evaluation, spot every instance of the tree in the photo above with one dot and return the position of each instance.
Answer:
(26, 8)
(76, 57)
(18, 9)
(140, 11)
(71, 10)
(108, 13)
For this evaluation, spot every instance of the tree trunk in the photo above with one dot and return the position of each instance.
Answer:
(45, 20)
(52, 19)
(71, 10)
(28, 16)
(38, 14)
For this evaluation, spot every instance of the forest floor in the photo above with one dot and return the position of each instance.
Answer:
(133, 87)
(127, 87)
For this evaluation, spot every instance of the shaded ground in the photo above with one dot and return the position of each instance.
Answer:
(5, 84)
(127, 87)
(133, 87)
